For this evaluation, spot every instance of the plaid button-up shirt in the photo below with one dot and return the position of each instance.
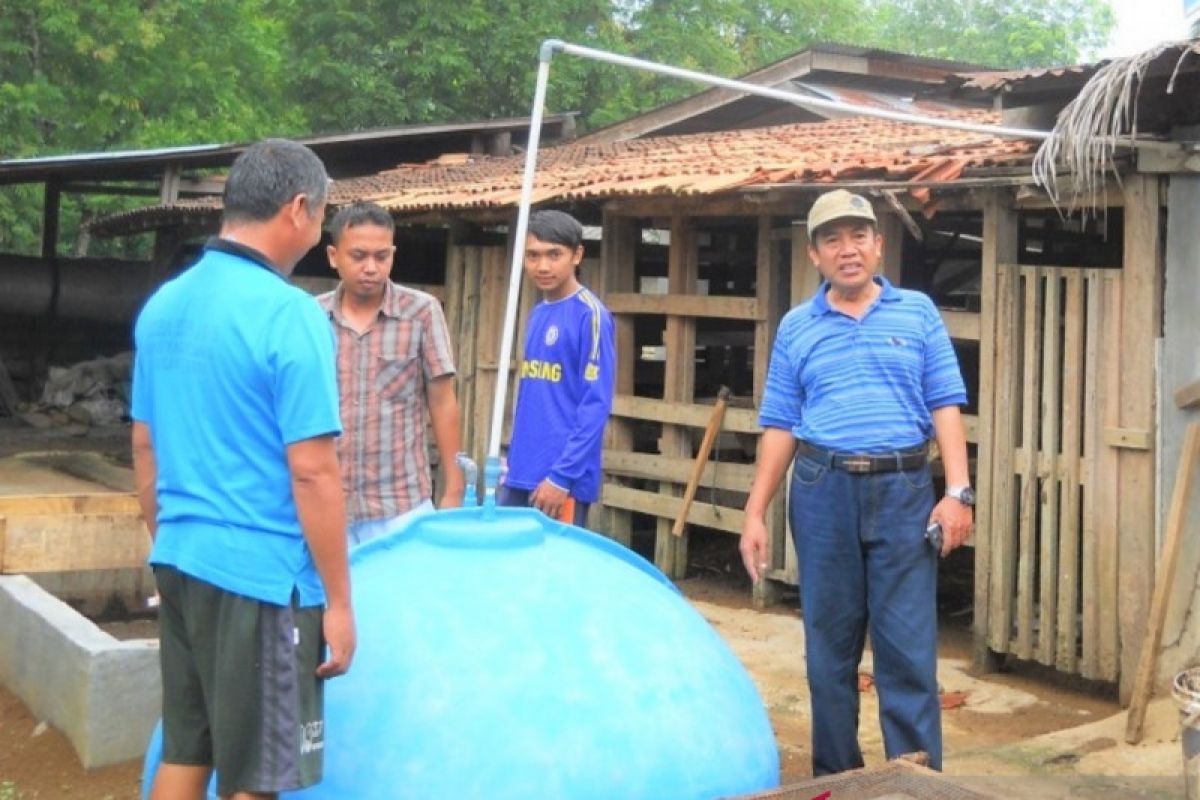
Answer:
(382, 376)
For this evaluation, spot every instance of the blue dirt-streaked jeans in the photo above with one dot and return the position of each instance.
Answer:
(865, 565)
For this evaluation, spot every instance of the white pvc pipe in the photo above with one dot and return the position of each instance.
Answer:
(551, 46)
(789, 97)
(518, 260)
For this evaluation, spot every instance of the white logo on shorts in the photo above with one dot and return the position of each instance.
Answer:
(551, 335)
(312, 736)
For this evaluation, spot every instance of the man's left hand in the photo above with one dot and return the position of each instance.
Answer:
(956, 519)
(548, 498)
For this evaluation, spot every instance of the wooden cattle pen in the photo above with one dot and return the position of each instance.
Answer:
(1055, 323)
(697, 245)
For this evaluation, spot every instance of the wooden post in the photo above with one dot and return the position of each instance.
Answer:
(804, 282)
(618, 273)
(670, 552)
(995, 402)
(1141, 313)
(771, 275)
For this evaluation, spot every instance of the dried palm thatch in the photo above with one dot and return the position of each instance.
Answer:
(1080, 154)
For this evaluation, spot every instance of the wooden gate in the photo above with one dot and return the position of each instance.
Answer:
(1065, 527)
(1053, 521)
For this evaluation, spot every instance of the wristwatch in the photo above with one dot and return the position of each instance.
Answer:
(963, 494)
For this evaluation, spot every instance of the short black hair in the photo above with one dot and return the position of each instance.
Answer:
(556, 227)
(356, 214)
(267, 176)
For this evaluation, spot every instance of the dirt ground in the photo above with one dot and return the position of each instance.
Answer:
(1026, 732)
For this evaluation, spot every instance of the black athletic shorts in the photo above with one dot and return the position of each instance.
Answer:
(240, 691)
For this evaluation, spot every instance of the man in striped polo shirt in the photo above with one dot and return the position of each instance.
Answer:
(861, 377)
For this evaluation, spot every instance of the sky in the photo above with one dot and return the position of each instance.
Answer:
(1141, 24)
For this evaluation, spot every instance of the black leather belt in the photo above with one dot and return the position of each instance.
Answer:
(863, 463)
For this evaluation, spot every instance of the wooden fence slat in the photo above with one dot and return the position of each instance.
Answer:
(695, 415)
(737, 308)
(1070, 534)
(1008, 407)
(1106, 489)
(1027, 553)
(651, 466)
(666, 507)
(1051, 423)
(1089, 653)
(618, 273)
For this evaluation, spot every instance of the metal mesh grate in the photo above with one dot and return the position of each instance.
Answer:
(896, 780)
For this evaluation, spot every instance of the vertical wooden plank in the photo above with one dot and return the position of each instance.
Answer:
(764, 329)
(1069, 533)
(670, 551)
(1051, 413)
(493, 289)
(452, 305)
(768, 279)
(1002, 526)
(804, 282)
(1028, 464)
(892, 264)
(1141, 300)
(1106, 490)
(618, 273)
(467, 332)
(1089, 654)
(999, 248)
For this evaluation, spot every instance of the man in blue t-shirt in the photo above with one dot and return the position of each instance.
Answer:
(565, 387)
(235, 414)
(861, 377)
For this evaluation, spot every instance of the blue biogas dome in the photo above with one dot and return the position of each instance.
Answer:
(504, 655)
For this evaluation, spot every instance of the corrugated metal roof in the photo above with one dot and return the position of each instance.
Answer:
(1042, 78)
(698, 164)
(148, 163)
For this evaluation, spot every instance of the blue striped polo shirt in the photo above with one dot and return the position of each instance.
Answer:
(862, 386)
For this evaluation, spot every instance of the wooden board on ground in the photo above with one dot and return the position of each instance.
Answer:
(54, 522)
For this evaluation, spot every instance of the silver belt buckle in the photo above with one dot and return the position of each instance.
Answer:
(857, 464)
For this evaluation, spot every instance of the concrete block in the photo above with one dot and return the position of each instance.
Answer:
(104, 694)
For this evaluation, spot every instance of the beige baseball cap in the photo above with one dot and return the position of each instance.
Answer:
(839, 204)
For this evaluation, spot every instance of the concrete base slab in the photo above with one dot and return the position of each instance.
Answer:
(104, 694)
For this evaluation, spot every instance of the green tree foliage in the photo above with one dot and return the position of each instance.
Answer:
(368, 63)
(114, 74)
(1007, 34)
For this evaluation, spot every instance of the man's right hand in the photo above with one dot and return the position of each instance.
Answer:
(340, 638)
(753, 547)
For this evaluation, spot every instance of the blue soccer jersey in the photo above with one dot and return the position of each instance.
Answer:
(564, 397)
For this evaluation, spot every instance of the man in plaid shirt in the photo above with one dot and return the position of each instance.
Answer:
(395, 371)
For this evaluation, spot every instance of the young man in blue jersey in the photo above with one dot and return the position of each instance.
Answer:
(565, 385)
(861, 377)
(235, 410)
